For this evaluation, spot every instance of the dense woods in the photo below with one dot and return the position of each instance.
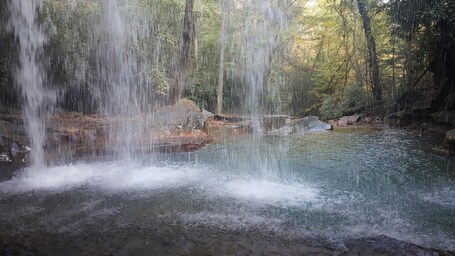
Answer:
(327, 57)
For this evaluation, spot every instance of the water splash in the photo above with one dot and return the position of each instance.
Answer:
(110, 177)
(117, 68)
(38, 101)
(264, 21)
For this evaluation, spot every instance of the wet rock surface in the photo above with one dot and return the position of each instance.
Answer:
(384, 246)
(165, 240)
(349, 120)
(356, 120)
(310, 123)
(450, 138)
(170, 129)
(272, 125)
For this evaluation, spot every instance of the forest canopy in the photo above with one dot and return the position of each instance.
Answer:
(323, 57)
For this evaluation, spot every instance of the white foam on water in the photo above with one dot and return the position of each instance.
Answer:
(272, 193)
(149, 178)
(105, 176)
(56, 178)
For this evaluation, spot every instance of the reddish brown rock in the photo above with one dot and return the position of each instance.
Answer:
(348, 120)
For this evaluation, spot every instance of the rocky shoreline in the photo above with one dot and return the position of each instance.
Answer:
(203, 241)
(182, 127)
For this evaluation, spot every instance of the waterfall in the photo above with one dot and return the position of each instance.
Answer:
(31, 79)
(263, 22)
(118, 68)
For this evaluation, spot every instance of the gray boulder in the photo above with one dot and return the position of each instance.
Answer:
(310, 123)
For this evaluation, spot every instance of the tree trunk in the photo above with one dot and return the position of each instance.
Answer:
(175, 93)
(219, 98)
(371, 44)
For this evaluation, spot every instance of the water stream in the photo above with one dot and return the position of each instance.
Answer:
(31, 78)
(320, 185)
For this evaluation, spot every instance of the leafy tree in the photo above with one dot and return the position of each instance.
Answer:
(431, 25)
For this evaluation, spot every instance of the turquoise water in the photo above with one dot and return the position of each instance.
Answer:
(333, 185)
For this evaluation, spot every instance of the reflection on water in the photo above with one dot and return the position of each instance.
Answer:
(333, 185)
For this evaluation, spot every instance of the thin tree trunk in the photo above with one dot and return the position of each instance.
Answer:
(195, 44)
(176, 90)
(371, 44)
(393, 68)
(219, 99)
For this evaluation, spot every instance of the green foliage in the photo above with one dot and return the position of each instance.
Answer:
(331, 108)
(334, 105)
(355, 96)
(320, 62)
(160, 81)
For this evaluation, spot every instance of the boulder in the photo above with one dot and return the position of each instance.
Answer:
(310, 123)
(184, 115)
(348, 120)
